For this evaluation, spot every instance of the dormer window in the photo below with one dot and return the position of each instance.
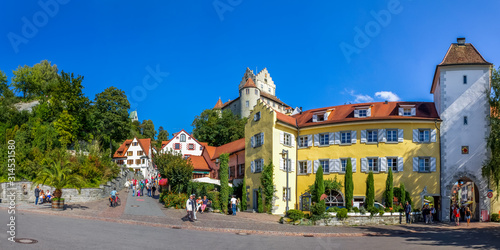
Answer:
(183, 138)
(320, 116)
(407, 110)
(362, 112)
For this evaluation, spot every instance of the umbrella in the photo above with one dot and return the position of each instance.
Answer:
(469, 202)
(163, 182)
(209, 180)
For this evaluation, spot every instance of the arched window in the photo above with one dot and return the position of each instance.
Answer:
(183, 138)
(334, 199)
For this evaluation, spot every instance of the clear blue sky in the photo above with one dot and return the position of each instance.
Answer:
(203, 54)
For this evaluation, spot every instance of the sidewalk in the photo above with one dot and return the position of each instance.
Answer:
(151, 213)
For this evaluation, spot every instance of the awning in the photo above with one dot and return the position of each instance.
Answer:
(200, 172)
(209, 180)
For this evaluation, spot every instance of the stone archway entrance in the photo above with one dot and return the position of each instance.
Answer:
(465, 193)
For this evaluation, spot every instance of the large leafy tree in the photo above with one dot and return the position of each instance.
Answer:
(110, 115)
(3, 83)
(148, 129)
(218, 128)
(175, 168)
(491, 169)
(348, 185)
(66, 127)
(224, 180)
(36, 81)
(162, 135)
(266, 180)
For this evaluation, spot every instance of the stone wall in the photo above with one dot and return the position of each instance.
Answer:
(25, 191)
(356, 219)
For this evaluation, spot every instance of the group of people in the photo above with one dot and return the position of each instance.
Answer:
(138, 186)
(194, 205)
(41, 196)
(428, 212)
(457, 213)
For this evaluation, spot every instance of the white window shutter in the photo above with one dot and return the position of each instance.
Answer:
(252, 141)
(413, 111)
(282, 164)
(293, 140)
(309, 167)
(316, 139)
(400, 135)
(331, 165)
(282, 137)
(356, 113)
(262, 138)
(337, 165)
(316, 165)
(315, 118)
(292, 166)
(369, 112)
(400, 164)
(353, 137)
(309, 140)
(363, 136)
(353, 163)
(433, 164)
(415, 164)
(433, 135)
(262, 164)
(252, 167)
(415, 135)
(364, 165)
(381, 135)
(401, 111)
(331, 138)
(325, 117)
(337, 137)
(383, 164)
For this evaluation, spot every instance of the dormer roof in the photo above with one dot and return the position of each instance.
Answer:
(249, 84)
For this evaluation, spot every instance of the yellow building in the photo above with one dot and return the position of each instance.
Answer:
(403, 136)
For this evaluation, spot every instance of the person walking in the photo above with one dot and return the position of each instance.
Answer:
(148, 188)
(153, 189)
(233, 204)
(193, 204)
(37, 194)
(133, 189)
(408, 212)
(456, 214)
(467, 215)
(433, 213)
(189, 208)
(142, 188)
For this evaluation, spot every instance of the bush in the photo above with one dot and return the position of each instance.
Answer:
(333, 209)
(295, 214)
(398, 208)
(495, 217)
(381, 212)
(387, 209)
(356, 210)
(342, 214)
(373, 211)
(175, 200)
(214, 197)
(362, 210)
(318, 208)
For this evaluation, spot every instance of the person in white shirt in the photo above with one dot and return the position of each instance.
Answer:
(234, 204)
(189, 208)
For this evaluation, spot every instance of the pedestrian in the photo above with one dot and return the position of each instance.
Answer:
(42, 197)
(189, 209)
(456, 214)
(233, 204)
(154, 190)
(193, 204)
(433, 213)
(408, 212)
(133, 189)
(37, 194)
(142, 188)
(148, 188)
(127, 185)
(138, 188)
(467, 215)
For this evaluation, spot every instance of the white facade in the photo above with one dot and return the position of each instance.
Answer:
(136, 158)
(464, 109)
(183, 143)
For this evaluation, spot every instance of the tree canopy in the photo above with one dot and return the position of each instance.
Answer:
(175, 168)
(218, 128)
(491, 169)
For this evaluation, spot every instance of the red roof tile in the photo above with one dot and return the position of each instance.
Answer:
(199, 163)
(122, 150)
(230, 148)
(286, 119)
(218, 105)
(249, 84)
(274, 98)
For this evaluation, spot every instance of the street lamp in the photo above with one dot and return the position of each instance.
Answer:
(284, 154)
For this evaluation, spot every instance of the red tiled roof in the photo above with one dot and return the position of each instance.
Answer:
(249, 84)
(286, 119)
(379, 111)
(122, 150)
(199, 163)
(164, 143)
(274, 98)
(229, 148)
(229, 102)
(218, 105)
(457, 54)
(211, 150)
(145, 144)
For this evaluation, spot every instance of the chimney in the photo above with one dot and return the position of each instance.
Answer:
(461, 41)
(386, 102)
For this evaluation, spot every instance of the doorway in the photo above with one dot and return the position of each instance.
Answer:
(465, 193)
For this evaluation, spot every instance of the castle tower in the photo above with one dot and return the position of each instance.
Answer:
(249, 94)
(460, 85)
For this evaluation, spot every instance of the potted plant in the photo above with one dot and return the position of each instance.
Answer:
(59, 175)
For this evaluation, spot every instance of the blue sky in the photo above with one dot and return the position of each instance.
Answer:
(200, 49)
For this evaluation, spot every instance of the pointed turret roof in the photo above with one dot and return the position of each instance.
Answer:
(218, 105)
(249, 84)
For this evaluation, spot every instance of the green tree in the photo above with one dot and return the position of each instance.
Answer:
(3, 83)
(148, 129)
(59, 174)
(66, 127)
(175, 168)
(36, 81)
(348, 185)
(370, 190)
(244, 195)
(224, 180)
(319, 184)
(260, 207)
(491, 169)
(266, 180)
(389, 189)
(162, 136)
(111, 115)
(218, 128)
(402, 193)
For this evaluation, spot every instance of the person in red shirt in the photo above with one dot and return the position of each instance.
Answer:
(456, 213)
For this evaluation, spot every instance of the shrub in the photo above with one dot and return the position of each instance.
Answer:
(398, 208)
(318, 208)
(342, 214)
(260, 207)
(495, 217)
(362, 210)
(387, 209)
(295, 214)
(214, 197)
(175, 200)
(381, 212)
(356, 210)
(331, 210)
(373, 211)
